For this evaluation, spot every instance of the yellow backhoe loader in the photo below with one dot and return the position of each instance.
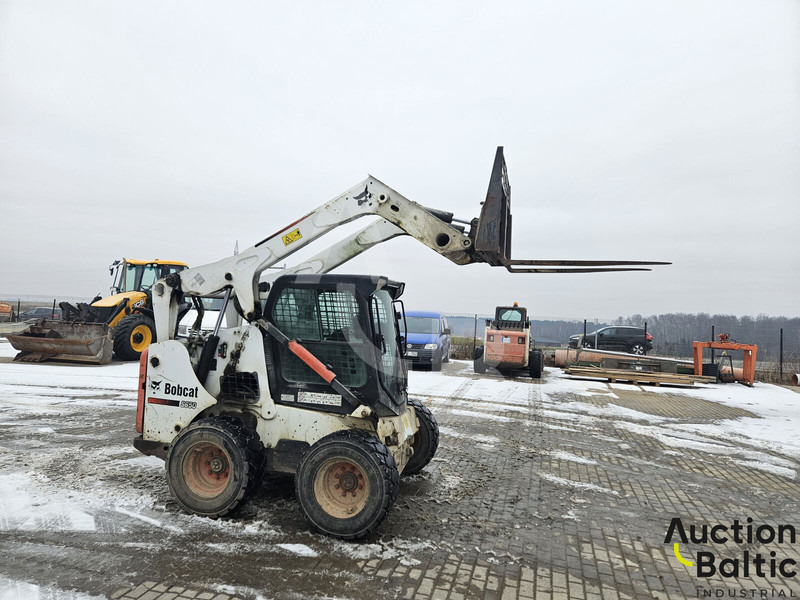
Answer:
(120, 324)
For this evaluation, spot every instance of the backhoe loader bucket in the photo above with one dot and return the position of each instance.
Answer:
(60, 340)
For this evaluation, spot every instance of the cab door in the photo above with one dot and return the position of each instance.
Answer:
(606, 339)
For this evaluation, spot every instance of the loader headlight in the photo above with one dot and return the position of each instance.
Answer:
(431, 346)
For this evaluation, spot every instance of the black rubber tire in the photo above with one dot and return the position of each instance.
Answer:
(477, 361)
(132, 335)
(212, 450)
(536, 364)
(426, 441)
(446, 357)
(637, 349)
(436, 363)
(371, 474)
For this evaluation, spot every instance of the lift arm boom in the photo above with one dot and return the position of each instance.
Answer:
(241, 272)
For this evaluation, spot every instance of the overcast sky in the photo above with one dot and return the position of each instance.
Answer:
(632, 130)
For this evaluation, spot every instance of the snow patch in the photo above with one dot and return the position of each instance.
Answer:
(481, 439)
(482, 416)
(22, 590)
(26, 506)
(768, 468)
(145, 519)
(299, 549)
(577, 484)
(402, 550)
(560, 455)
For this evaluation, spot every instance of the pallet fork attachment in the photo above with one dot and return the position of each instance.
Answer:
(492, 237)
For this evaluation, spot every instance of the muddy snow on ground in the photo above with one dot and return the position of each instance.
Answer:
(35, 401)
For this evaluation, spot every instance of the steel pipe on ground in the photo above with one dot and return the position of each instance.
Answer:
(738, 372)
(568, 356)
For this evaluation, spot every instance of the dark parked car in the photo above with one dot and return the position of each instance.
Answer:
(40, 312)
(620, 338)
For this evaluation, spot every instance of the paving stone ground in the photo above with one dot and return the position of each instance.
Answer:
(529, 499)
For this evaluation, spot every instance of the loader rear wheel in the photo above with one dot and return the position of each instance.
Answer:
(346, 484)
(426, 440)
(132, 335)
(536, 364)
(213, 465)
(478, 365)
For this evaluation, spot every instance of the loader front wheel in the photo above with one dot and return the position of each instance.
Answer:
(213, 465)
(426, 440)
(346, 484)
(132, 335)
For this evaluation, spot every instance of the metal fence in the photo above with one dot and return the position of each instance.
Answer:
(777, 338)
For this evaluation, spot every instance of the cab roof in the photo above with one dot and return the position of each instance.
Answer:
(156, 261)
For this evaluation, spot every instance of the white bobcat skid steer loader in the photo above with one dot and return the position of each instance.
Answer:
(321, 395)
(307, 376)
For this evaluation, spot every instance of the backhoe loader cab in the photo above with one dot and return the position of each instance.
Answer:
(139, 275)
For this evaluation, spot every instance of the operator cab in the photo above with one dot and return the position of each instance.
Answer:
(510, 317)
(139, 275)
(349, 323)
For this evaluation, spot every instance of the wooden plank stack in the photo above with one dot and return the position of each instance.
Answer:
(637, 375)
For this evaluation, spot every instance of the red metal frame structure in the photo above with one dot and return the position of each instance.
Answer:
(749, 351)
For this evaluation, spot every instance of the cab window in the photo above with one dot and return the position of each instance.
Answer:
(327, 324)
(511, 314)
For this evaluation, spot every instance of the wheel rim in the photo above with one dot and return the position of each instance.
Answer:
(141, 336)
(206, 470)
(638, 349)
(340, 488)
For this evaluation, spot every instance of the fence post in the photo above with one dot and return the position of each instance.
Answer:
(645, 338)
(712, 339)
(475, 335)
(781, 352)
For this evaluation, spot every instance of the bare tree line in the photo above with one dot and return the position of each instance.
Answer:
(673, 333)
